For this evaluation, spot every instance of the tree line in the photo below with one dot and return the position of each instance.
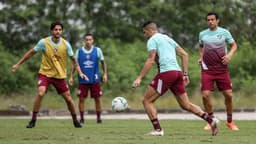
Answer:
(116, 25)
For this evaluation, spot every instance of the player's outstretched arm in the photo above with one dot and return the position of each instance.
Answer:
(146, 68)
(27, 55)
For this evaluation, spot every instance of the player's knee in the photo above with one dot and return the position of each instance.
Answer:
(97, 100)
(205, 96)
(41, 93)
(228, 98)
(68, 99)
(144, 102)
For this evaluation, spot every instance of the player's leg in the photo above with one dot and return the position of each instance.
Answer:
(36, 107)
(229, 107)
(185, 104)
(98, 109)
(82, 95)
(81, 107)
(207, 85)
(96, 93)
(70, 103)
(207, 101)
(62, 88)
(71, 107)
(42, 86)
(148, 100)
(207, 106)
(178, 89)
(225, 86)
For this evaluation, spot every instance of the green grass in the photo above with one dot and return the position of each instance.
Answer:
(54, 131)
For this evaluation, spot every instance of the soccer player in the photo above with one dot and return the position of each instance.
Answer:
(55, 51)
(214, 60)
(162, 50)
(88, 58)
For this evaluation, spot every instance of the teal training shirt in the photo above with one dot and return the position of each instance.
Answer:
(165, 48)
(40, 46)
(215, 47)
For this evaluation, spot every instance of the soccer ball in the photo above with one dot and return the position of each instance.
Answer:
(119, 104)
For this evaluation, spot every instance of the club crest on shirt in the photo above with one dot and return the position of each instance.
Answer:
(55, 50)
(88, 56)
(219, 36)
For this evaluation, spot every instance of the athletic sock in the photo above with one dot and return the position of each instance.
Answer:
(81, 115)
(156, 124)
(98, 113)
(207, 117)
(34, 115)
(74, 117)
(211, 114)
(229, 118)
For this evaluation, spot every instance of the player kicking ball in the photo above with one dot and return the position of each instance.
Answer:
(162, 49)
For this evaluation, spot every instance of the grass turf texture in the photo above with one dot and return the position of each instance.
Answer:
(56, 131)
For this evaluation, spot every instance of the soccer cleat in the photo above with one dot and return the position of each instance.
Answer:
(214, 127)
(81, 121)
(77, 124)
(232, 126)
(99, 121)
(156, 133)
(207, 127)
(31, 124)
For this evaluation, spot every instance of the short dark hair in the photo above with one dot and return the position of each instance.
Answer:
(88, 34)
(148, 23)
(213, 13)
(56, 23)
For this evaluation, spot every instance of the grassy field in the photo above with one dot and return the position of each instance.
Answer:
(55, 131)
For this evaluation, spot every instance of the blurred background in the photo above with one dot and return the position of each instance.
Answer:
(116, 26)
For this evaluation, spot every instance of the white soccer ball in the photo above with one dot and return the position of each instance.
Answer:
(119, 104)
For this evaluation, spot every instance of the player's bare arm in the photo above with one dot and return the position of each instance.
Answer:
(226, 59)
(27, 55)
(200, 50)
(104, 68)
(184, 55)
(77, 67)
(146, 68)
(71, 80)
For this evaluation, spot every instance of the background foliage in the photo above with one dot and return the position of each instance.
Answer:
(117, 28)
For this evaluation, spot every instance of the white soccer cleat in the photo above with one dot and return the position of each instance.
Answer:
(214, 126)
(156, 133)
(207, 127)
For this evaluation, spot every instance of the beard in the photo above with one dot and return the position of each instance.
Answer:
(57, 36)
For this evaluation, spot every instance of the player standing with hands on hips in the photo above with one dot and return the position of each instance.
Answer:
(53, 70)
(214, 60)
(162, 49)
(88, 58)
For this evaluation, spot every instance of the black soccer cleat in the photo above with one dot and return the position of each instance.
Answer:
(77, 124)
(99, 121)
(31, 124)
(81, 121)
